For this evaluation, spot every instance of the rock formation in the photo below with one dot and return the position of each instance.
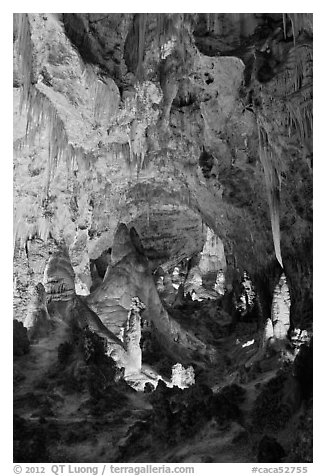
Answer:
(38, 322)
(65, 304)
(268, 331)
(206, 270)
(281, 309)
(276, 332)
(182, 377)
(194, 280)
(132, 336)
(59, 277)
(131, 276)
(29, 266)
(166, 157)
(80, 263)
(212, 257)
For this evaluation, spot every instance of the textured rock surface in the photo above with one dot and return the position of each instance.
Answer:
(29, 266)
(157, 155)
(129, 277)
(64, 304)
(132, 336)
(168, 152)
(212, 257)
(213, 116)
(206, 270)
(281, 309)
(38, 321)
(59, 277)
(182, 377)
(80, 262)
(269, 331)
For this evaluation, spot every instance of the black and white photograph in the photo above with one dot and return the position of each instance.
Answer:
(162, 239)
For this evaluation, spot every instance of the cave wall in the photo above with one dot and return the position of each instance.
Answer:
(166, 122)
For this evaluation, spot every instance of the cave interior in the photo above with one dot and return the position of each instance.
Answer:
(163, 298)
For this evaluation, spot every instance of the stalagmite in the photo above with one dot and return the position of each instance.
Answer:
(268, 331)
(212, 258)
(281, 309)
(38, 321)
(133, 335)
(277, 326)
(248, 296)
(80, 262)
(182, 377)
(219, 285)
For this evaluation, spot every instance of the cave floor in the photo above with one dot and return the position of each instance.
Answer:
(81, 436)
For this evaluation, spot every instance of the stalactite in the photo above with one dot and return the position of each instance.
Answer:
(25, 52)
(299, 22)
(100, 99)
(273, 184)
(41, 111)
(141, 42)
(212, 21)
(30, 222)
(293, 115)
(168, 27)
(106, 99)
(284, 24)
(131, 155)
(298, 91)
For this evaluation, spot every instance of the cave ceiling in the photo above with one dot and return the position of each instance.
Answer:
(169, 123)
